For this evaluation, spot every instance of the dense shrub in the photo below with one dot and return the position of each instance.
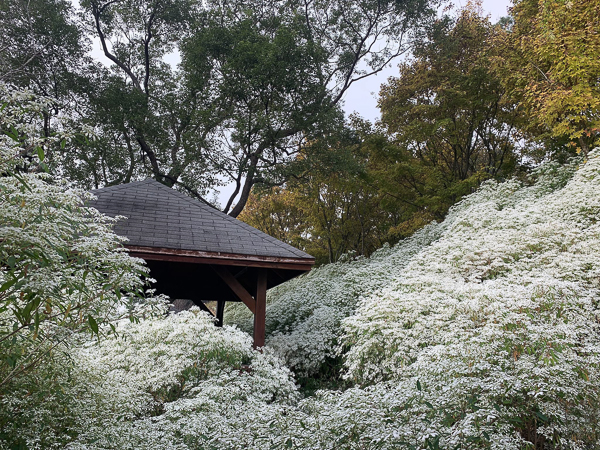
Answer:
(63, 272)
(304, 315)
(479, 332)
(138, 388)
(487, 337)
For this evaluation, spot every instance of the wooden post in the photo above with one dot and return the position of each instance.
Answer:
(220, 310)
(260, 309)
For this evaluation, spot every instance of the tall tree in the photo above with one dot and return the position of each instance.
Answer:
(447, 110)
(268, 80)
(147, 121)
(330, 211)
(256, 80)
(550, 63)
(446, 126)
(42, 49)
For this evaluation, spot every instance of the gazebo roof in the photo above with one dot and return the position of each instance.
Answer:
(198, 253)
(163, 221)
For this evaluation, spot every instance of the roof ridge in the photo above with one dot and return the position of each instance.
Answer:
(215, 211)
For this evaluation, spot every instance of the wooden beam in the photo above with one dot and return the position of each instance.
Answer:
(200, 304)
(220, 311)
(224, 259)
(235, 286)
(241, 272)
(261, 306)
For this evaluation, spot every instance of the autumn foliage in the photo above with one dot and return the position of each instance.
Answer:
(549, 62)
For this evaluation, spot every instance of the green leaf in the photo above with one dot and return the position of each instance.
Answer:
(13, 133)
(8, 284)
(418, 385)
(11, 361)
(36, 322)
(93, 324)
(40, 152)
(30, 308)
(542, 417)
(11, 261)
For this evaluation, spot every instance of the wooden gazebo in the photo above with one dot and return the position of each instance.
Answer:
(198, 253)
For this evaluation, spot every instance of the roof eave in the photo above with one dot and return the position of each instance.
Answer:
(220, 258)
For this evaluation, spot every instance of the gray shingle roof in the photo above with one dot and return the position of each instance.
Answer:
(160, 217)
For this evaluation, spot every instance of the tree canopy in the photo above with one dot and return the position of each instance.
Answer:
(548, 61)
(446, 126)
(256, 80)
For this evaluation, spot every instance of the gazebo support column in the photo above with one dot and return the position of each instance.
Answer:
(260, 309)
(220, 311)
(256, 304)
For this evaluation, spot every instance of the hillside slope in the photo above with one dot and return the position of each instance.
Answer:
(482, 329)
(482, 332)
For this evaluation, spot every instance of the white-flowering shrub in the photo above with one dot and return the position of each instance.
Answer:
(63, 272)
(482, 332)
(304, 315)
(62, 269)
(497, 320)
(174, 382)
(486, 338)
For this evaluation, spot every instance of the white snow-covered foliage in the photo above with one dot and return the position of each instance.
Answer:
(304, 315)
(482, 332)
